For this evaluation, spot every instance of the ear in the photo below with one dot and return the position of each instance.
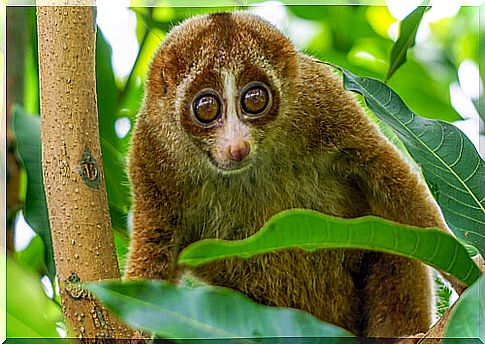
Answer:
(164, 73)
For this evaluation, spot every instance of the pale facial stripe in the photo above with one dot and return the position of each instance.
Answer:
(234, 129)
(233, 132)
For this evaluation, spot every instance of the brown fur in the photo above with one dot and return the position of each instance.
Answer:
(316, 149)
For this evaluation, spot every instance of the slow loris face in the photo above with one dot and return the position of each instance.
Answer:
(229, 118)
(228, 80)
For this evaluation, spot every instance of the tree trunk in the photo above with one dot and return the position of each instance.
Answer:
(73, 172)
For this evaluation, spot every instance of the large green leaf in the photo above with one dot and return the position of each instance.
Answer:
(451, 165)
(27, 133)
(468, 318)
(316, 230)
(30, 313)
(206, 313)
(407, 36)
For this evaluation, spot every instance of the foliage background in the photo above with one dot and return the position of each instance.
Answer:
(358, 38)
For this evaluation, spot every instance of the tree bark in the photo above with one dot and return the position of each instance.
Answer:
(436, 333)
(72, 168)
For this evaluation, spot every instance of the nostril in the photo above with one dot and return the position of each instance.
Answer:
(238, 151)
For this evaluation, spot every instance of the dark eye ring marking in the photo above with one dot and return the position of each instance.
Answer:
(206, 107)
(256, 99)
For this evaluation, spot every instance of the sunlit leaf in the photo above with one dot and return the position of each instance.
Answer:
(206, 313)
(27, 133)
(33, 256)
(442, 296)
(30, 313)
(380, 19)
(468, 318)
(451, 165)
(407, 37)
(316, 230)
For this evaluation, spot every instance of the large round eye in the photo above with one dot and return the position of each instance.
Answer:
(255, 99)
(206, 107)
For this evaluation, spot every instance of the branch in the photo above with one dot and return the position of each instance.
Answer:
(76, 196)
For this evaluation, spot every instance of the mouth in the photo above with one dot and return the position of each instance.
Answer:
(229, 166)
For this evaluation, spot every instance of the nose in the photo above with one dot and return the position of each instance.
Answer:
(237, 151)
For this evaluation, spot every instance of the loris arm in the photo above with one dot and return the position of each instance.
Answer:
(152, 243)
(152, 240)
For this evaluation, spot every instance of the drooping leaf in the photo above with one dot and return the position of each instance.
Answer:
(117, 185)
(27, 133)
(111, 145)
(206, 313)
(30, 313)
(107, 91)
(451, 165)
(468, 318)
(407, 37)
(316, 230)
(121, 240)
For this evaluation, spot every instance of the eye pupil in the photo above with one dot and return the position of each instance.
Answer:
(206, 108)
(255, 100)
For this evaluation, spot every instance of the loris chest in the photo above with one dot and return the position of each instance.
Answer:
(236, 206)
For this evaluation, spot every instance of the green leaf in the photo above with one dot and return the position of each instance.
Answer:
(442, 296)
(112, 146)
(205, 312)
(468, 318)
(27, 133)
(30, 313)
(31, 102)
(316, 230)
(472, 250)
(107, 91)
(407, 36)
(33, 256)
(432, 101)
(117, 184)
(122, 240)
(451, 165)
